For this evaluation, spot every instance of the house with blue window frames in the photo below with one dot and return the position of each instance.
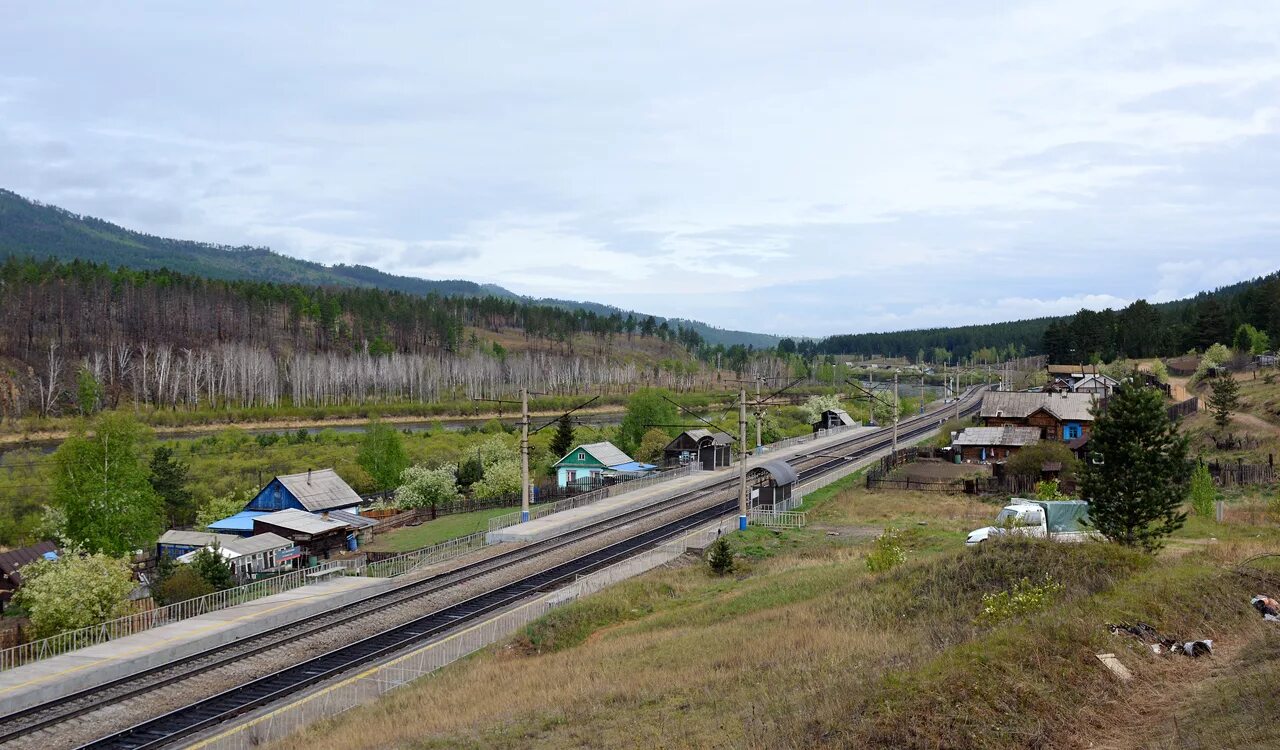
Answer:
(1057, 416)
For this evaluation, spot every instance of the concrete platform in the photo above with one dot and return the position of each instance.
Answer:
(54, 678)
(566, 521)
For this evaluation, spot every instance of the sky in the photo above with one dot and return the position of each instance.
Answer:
(800, 168)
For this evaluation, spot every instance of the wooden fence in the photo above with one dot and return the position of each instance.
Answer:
(1240, 473)
(1183, 408)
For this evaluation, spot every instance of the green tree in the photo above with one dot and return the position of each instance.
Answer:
(89, 392)
(213, 568)
(382, 454)
(218, 508)
(720, 557)
(1203, 492)
(647, 407)
(500, 479)
(422, 487)
(75, 591)
(181, 584)
(1224, 400)
(470, 472)
(815, 405)
(1029, 461)
(1249, 340)
(651, 445)
(169, 480)
(562, 440)
(1136, 478)
(101, 487)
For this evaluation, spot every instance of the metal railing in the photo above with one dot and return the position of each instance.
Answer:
(400, 564)
(776, 519)
(369, 685)
(142, 621)
(538, 511)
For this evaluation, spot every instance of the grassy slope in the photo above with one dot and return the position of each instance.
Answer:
(1257, 420)
(804, 648)
(432, 532)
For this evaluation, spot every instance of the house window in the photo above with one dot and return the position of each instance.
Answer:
(582, 456)
(1071, 431)
(571, 476)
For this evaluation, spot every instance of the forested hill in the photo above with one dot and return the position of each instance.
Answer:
(29, 228)
(1140, 329)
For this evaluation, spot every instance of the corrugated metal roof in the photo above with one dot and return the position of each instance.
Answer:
(1064, 406)
(242, 521)
(13, 560)
(633, 466)
(717, 438)
(301, 521)
(321, 489)
(252, 545)
(1010, 435)
(181, 538)
(606, 453)
(354, 519)
(780, 470)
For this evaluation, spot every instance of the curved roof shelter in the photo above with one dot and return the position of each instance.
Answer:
(779, 470)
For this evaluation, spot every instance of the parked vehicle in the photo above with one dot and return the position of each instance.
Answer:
(1059, 520)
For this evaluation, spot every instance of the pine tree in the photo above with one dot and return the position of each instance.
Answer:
(1136, 478)
(562, 441)
(1224, 400)
(720, 557)
(169, 480)
(213, 568)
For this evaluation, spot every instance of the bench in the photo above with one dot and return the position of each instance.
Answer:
(325, 574)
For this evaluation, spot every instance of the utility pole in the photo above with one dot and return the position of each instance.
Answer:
(957, 396)
(524, 455)
(759, 411)
(742, 458)
(895, 413)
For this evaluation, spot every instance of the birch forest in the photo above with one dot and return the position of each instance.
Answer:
(71, 332)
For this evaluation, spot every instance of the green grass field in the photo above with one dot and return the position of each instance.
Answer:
(441, 529)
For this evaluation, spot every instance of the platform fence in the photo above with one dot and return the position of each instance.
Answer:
(146, 620)
(776, 519)
(370, 684)
(400, 564)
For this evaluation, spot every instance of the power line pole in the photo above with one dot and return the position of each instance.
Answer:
(524, 454)
(742, 458)
(759, 411)
(896, 409)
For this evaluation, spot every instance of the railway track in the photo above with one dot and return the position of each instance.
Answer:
(162, 730)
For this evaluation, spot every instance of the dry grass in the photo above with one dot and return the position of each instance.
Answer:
(806, 649)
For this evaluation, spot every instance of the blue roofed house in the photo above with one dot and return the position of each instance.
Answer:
(591, 463)
(313, 491)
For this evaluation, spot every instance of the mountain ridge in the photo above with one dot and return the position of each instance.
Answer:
(32, 228)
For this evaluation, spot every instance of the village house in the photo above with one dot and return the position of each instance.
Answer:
(175, 543)
(990, 444)
(249, 556)
(316, 535)
(594, 462)
(710, 450)
(1058, 416)
(315, 491)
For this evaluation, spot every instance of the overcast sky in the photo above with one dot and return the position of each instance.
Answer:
(799, 167)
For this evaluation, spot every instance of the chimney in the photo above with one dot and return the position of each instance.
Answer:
(308, 476)
(325, 515)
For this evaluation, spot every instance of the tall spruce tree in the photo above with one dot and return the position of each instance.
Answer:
(1137, 474)
(169, 480)
(1224, 399)
(562, 441)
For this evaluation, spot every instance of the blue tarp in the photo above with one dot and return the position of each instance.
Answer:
(240, 523)
(633, 466)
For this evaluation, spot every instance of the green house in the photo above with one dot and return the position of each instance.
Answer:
(591, 463)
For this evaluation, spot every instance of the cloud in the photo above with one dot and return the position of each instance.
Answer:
(813, 169)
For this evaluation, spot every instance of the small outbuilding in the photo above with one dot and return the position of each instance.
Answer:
(984, 444)
(316, 535)
(832, 419)
(253, 555)
(175, 543)
(711, 450)
(11, 563)
(770, 484)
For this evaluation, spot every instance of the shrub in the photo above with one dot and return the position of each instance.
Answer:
(1030, 460)
(182, 584)
(886, 552)
(720, 557)
(1025, 598)
(1048, 490)
(1203, 492)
